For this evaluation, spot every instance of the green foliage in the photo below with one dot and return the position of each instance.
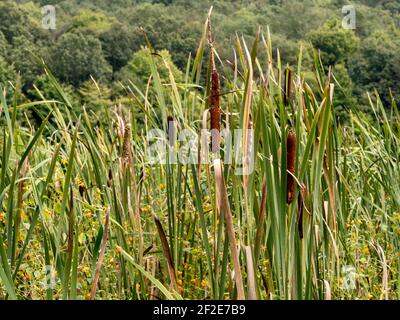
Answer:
(138, 68)
(99, 37)
(167, 28)
(81, 201)
(3, 45)
(24, 56)
(336, 43)
(343, 100)
(14, 20)
(376, 66)
(118, 43)
(7, 72)
(76, 57)
(91, 21)
(44, 88)
(96, 98)
(7, 76)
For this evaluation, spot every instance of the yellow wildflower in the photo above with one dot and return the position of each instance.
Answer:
(79, 182)
(365, 250)
(146, 209)
(48, 213)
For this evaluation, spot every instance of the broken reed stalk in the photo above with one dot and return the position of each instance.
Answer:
(251, 278)
(224, 208)
(215, 109)
(101, 256)
(290, 162)
(167, 253)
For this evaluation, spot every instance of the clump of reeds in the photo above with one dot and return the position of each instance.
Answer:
(291, 161)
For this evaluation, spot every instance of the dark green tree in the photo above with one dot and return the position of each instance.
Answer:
(25, 55)
(76, 57)
(119, 43)
(3, 45)
(16, 21)
(138, 70)
(335, 43)
(376, 66)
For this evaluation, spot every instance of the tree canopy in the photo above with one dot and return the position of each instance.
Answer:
(104, 40)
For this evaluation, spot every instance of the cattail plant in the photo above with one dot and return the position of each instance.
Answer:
(126, 147)
(215, 109)
(291, 161)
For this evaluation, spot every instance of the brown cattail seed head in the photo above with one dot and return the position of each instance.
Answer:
(291, 161)
(126, 148)
(215, 110)
(214, 103)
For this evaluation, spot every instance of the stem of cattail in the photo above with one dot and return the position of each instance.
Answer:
(291, 161)
(17, 222)
(225, 209)
(71, 221)
(96, 277)
(215, 110)
(300, 209)
(248, 159)
(261, 218)
(288, 86)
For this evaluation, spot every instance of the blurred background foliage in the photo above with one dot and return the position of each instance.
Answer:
(105, 41)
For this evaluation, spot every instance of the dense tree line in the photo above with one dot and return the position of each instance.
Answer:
(105, 40)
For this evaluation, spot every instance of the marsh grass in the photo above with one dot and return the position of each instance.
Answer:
(141, 231)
